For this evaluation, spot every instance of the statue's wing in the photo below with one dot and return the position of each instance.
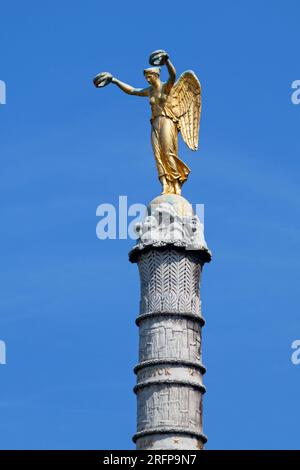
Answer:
(186, 100)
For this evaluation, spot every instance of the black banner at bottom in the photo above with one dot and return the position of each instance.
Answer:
(94, 459)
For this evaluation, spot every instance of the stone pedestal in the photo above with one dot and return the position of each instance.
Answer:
(170, 254)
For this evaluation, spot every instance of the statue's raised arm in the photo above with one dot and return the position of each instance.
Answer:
(176, 107)
(104, 78)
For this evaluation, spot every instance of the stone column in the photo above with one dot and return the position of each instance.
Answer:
(170, 253)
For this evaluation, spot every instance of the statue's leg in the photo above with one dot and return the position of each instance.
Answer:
(176, 170)
(177, 187)
(155, 140)
(169, 144)
(165, 185)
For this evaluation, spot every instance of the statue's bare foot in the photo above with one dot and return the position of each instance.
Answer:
(167, 188)
(177, 188)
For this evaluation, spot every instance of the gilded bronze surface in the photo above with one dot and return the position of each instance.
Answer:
(175, 107)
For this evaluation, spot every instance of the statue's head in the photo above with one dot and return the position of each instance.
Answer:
(152, 74)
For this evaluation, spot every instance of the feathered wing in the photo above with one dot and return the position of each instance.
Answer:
(186, 106)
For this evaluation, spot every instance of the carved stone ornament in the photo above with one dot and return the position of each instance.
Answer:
(170, 221)
(170, 253)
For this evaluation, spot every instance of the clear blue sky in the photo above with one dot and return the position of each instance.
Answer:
(68, 300)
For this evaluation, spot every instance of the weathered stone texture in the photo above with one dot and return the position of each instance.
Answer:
(169, 373)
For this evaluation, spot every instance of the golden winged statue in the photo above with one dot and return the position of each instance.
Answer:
(175, 107)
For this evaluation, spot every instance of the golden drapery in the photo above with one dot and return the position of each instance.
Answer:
(164, 139)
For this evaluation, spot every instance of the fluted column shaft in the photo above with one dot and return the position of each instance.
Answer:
(169, 373)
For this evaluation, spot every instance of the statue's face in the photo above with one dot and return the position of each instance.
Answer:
(151, 78)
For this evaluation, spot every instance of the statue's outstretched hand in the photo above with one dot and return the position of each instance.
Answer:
(102, 79)
(158, 57)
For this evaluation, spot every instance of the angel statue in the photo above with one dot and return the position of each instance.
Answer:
(175, 107)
